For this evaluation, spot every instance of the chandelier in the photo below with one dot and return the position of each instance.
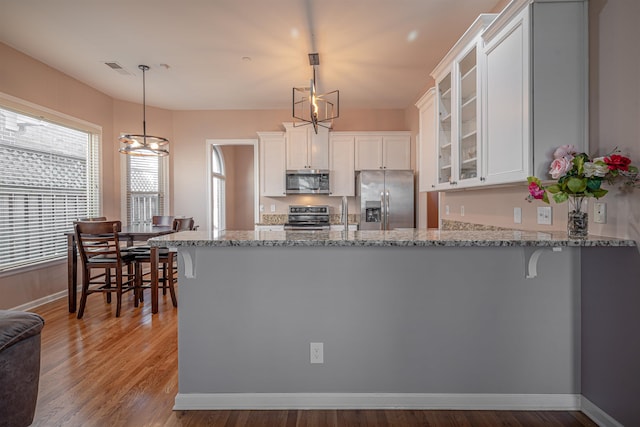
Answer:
(143, 145)
(310, 107)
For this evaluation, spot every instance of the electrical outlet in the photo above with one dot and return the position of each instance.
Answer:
(517, 215)
(273, 207)
(600, 213)
(461, 210)
(316, 352)
(446, 210)
(544, 215)
(261, 208)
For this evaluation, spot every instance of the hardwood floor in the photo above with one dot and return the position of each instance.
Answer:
(108, 371)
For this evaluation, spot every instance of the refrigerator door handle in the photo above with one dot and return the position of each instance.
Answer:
(388, 212)
(383, 212)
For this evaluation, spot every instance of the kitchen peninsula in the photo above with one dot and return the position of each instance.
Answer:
(406, 318)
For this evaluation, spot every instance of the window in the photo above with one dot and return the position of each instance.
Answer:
(49, 177)
(218, 184)
(145, 188)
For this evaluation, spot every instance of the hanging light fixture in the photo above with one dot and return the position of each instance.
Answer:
(313, 108)
(143, 145)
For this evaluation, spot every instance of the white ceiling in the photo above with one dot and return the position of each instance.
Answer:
(366, 47)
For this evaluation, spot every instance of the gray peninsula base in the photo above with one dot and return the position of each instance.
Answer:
(400, 326)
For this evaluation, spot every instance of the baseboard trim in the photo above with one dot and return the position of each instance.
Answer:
(41, 301)
(597, 415)
(218, 401)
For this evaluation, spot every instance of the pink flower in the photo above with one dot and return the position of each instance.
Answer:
(560, 166)
(535, 191)
(565, 151)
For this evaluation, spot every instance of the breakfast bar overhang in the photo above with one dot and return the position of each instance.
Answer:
(407, 318)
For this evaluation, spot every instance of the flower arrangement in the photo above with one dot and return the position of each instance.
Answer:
(579, 175)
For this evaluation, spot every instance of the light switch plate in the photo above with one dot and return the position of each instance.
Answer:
(544, 215)
(517, 215)
(600, 213)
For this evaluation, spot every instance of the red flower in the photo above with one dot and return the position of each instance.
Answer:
(617, 162)
(535, 191)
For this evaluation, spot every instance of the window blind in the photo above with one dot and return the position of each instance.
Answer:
(145, 188)
(49, 177)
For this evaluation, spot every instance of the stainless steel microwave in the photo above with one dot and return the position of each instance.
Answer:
(307, 181)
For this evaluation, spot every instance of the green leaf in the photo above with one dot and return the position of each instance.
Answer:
(576, 185)
(594, 183)
(600, 192)
(560, 197)
(553, 188)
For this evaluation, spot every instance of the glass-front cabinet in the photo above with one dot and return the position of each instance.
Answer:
(468, 114)
(458, 111)
(444, 130)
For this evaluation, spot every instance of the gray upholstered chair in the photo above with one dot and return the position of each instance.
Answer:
(19, 366)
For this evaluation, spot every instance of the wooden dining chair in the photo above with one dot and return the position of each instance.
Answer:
(95, 218)
(184, 224)
(164, 220)
(99, 248)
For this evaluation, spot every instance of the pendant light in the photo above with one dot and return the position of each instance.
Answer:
(310, 107)
(143, 145)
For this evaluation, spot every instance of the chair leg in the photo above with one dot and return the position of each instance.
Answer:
(118, 292)
(107, 279)
(169, 282)
(85, 290)
(164, 278)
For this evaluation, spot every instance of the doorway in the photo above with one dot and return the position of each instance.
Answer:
(232, 184)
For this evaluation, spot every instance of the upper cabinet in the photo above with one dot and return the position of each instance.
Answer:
(272, 164)
(305, 149)
(383, 150)
(341, 164)
(536, 87)
(458, 110)
(427, 141)
(512, 89)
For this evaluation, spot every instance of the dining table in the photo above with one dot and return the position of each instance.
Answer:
(128, 234)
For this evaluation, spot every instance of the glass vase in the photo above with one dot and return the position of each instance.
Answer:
(578, 217)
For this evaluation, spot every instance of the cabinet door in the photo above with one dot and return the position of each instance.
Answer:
(342, 165)
(444, 147)
(427, 141)
(318, 148)
(272, 164)
(297, 141)
(467, 139)
(506, 118)
(368, 152)
(396, 152)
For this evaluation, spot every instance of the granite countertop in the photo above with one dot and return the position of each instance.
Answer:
(402, 237)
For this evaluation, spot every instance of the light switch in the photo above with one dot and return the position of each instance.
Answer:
(600, 213)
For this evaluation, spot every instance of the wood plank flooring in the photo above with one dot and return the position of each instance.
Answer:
(108, 371)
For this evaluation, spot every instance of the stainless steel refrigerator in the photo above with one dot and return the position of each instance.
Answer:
(385, 198)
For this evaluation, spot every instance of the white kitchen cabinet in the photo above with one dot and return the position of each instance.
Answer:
(458, 106)
(341, 164)
(536, 87)
(272, 164)
(427, 141)
(305, 149)
(383, 150)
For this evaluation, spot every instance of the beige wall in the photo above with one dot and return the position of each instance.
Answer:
(35, 83)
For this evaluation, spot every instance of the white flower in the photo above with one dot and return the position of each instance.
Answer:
(596, 168)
